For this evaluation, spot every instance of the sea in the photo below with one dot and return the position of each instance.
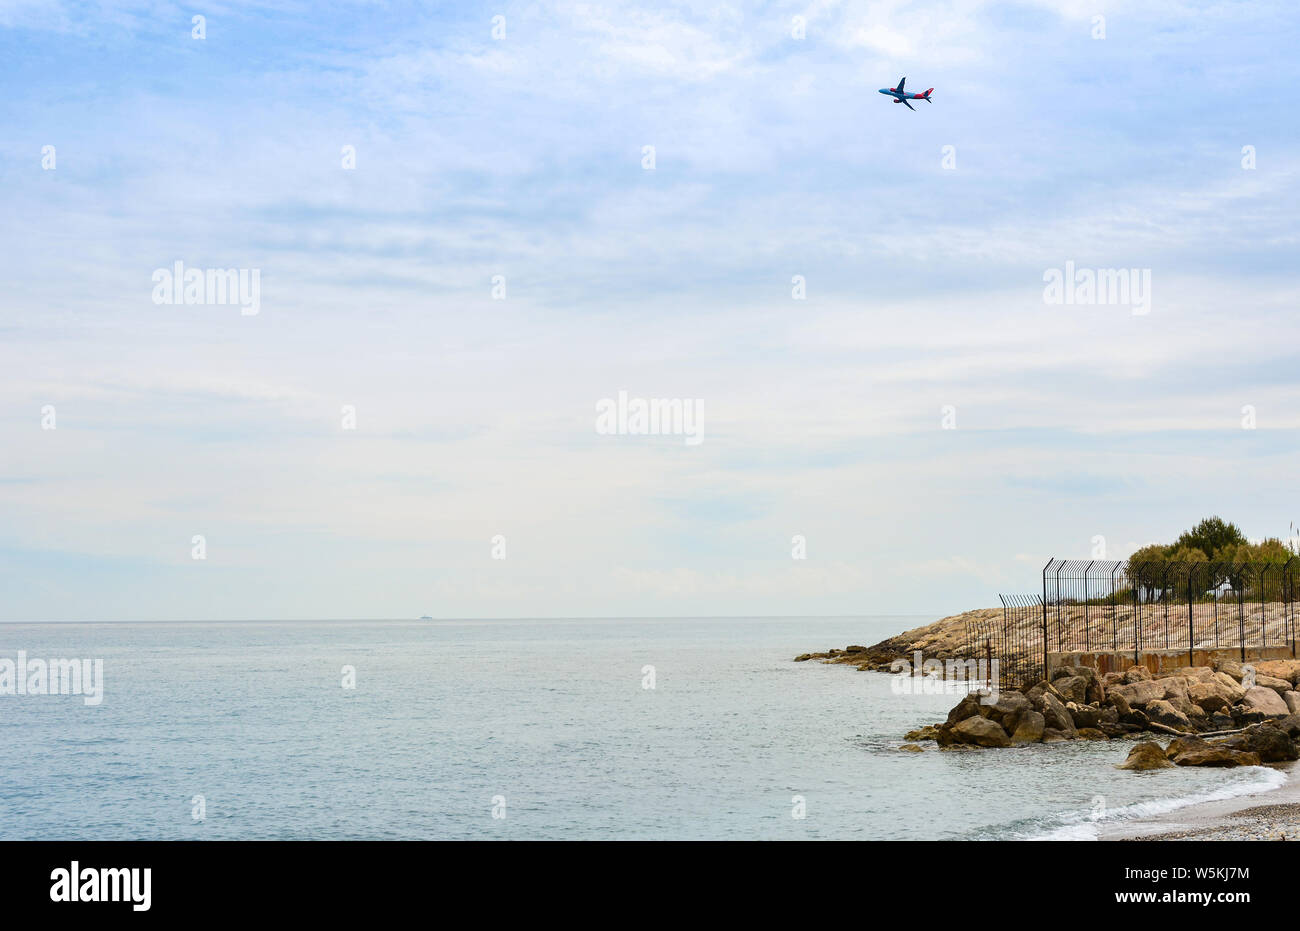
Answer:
(617, 728)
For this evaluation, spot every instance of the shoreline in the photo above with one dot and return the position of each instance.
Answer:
(1191, 703)
(1270, 814)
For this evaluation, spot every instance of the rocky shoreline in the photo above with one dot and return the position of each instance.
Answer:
(1225, 714)
(1239, 703)
(940, 640)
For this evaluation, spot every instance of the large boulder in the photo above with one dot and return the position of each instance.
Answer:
(1139, 693)
(1007, 709)
(1183, 745)
(1096, 690)
(1136, 674)
(1162, 712)
(1216, 756)
(1036, 693)
(968, 707)
(1029, 729)
(1073, 688)
(1281, 686)
(1232, 668)
(944, 736)
(981, 731)
(1084, 715)
(1146, 755)
(1271, 744)
(1055, 715)
(1174, 686)
(1265, 701)
(1233, 685)
(1288, 669)
(1213, 695)
(1192, 712)
(1118, 702)
(1136, 718)
(1292, 700)
(1197, 673)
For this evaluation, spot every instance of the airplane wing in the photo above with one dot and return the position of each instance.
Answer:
(909, 106)
(901, 82)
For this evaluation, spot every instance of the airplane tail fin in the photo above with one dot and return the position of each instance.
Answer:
(926, 96)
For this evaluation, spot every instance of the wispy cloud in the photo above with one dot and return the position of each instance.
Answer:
(521, 157)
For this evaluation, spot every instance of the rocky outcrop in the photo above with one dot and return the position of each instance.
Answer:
(1215, 756)
(1030, 729)
(1084, 716)
(1162, 712)
(1080, 705)
(1054, 714)
(1214, 695)
(1266, 701)
(1183, 745)
(1141, 692)
(1288, 669)
(1271, 744)
(943, 640)
(982, 732)
(1072, 688)
(1146, 755)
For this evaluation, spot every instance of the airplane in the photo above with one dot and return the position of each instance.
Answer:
(900, 97)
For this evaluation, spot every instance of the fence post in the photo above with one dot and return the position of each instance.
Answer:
(1263, 612)
(1191, 627)
(1114, 629)
(1241, 613)
(1058, 592)
(1137, 620)
(1288, 603)
(1087, 625)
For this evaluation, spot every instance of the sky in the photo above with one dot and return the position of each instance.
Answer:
(852, 293)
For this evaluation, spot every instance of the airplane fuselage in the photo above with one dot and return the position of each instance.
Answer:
(899, 95)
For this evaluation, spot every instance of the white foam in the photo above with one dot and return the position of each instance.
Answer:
(1086, 826)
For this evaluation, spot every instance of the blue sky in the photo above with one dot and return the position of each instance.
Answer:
(521, 157)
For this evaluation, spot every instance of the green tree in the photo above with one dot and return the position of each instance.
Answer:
(1211, 536)
(1271, 550)
(1151, 553)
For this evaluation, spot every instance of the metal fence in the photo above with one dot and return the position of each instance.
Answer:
(1120, 606)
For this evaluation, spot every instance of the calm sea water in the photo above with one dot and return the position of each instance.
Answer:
(449, 717)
